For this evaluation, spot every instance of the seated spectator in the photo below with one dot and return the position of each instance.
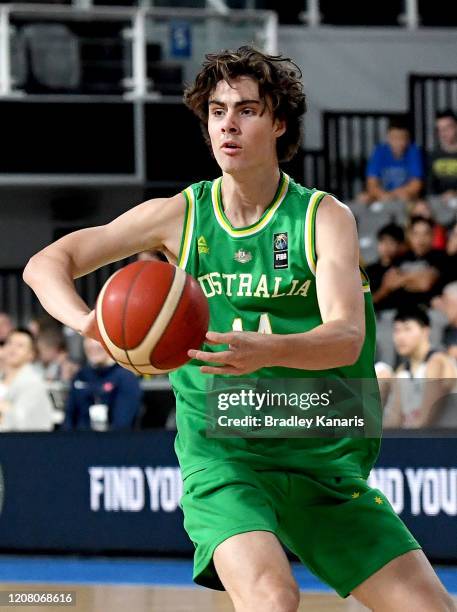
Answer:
(442, 163)
(424, 378)
(53, 358)
(25, 404)
(422, 208)
(103, 395)
(450, 343)
(384, 374)
(450, 270)
(417, 276)
(6, 325)
(390, 246)
(447, 304)
(395, 169)
(55, 365)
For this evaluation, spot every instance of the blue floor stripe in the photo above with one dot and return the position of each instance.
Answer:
(153, 572)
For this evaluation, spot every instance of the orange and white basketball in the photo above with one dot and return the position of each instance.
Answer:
(149, 314)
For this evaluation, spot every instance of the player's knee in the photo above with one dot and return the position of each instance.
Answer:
(280, 596)
(269, 594)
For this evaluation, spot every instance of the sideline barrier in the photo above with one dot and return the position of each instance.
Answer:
(119, 492)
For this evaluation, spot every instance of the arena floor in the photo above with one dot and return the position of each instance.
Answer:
(149, 585)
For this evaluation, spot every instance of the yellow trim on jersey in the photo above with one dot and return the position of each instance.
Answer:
(256, 227)
(309, 230)
(310, 247)
(188, 228)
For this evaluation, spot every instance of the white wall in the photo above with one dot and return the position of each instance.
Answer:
(363, 69)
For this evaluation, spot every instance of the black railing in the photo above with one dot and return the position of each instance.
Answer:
(349, 139)
(429, 94)
(20, 302)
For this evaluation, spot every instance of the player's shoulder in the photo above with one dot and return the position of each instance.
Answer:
(332, 210)
(199, 190)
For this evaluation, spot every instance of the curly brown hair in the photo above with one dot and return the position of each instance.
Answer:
(280, 85)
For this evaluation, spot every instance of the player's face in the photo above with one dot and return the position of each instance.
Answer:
(398, 141)
(408, 335)
(447, 131)
(18, 350)
(241, 127)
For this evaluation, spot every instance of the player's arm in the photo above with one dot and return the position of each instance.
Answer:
(338, 341)
(51, 272)
(335, 343)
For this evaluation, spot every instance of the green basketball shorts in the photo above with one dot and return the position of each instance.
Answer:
(340, 528)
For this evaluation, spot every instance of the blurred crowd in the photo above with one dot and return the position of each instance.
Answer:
(51, 379)
(414, 277)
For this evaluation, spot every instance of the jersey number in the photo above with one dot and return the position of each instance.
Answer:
(264, 324)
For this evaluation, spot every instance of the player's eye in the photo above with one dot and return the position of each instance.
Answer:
(248, 111)
(217, 112)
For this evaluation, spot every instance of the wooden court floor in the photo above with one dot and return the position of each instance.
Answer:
(117, 598)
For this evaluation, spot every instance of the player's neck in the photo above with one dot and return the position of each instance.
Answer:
(245, 197)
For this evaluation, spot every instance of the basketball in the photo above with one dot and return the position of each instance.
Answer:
(149, 314)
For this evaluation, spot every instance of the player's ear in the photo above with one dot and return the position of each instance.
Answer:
(279, 127)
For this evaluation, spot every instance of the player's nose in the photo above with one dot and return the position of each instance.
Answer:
(229, 125)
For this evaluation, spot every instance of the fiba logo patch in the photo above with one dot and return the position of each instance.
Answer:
(280, 251)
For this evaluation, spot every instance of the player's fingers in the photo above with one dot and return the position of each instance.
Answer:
(221, 357)
(219, 338)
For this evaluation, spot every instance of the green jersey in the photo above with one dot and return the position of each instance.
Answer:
(261, 278)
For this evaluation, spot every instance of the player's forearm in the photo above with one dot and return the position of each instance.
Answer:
(52, 281)
(331, 345)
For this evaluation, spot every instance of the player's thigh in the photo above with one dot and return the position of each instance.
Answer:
(255, 572)
(407, 583)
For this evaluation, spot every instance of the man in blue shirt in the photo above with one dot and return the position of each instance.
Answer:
(103, 395)
(395, 169)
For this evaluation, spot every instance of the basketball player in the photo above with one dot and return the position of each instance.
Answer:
(425, 377)
(298, 315)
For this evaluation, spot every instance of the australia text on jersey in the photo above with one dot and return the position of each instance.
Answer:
(247, 285)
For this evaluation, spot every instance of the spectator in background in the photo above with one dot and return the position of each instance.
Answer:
(390, 246)
(447, 304)
(25, 404)
(450, 344)
(103, 395)
(425, 377)
(450, 271)
(442, 163)
(417, 276)
(55, 366)
(395, 169)
(6, 325)
(53, 360)
(422, 208)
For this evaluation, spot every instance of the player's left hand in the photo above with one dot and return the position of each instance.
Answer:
(246, 353)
